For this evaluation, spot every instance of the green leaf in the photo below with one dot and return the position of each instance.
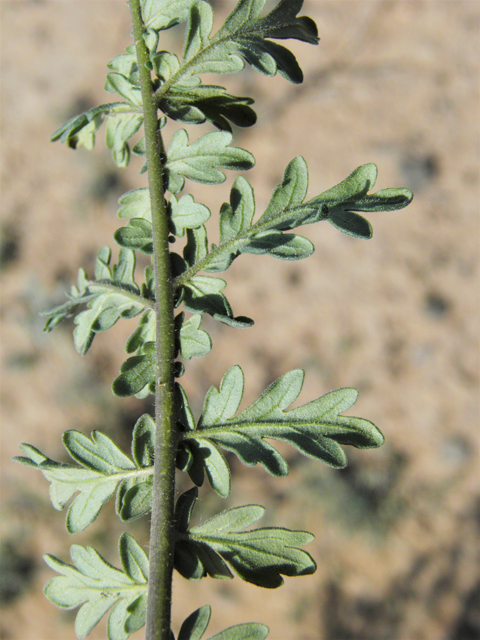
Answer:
(135, 204)
(193, 340)
(245, 37)
(196, 105)
(246, 631)
(125, 88)
(196, 624)
(315, 429)
(351, 195)
(286, 210)
(285, 246)
(196, 248)
(187, 214)
(202, 160)
(79, 294)
(163, 14)
(80, 130)
(145, 332)
(137, 235)
(260, 556)
(104, 468)
(92, 584)
(136, 373)
(120, 128)
(203, 294)
(236, 217)
(123, 121)
(104, 311)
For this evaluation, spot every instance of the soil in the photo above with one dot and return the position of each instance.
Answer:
(394, 82)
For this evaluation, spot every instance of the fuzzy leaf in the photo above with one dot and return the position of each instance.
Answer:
(196, 105)
(123, 121)
(104, 311)
(120, 128)
(135, 204)
(125, 88)
(315, 429)
(286, 210)
(202, 160)
(163, 14)
(136, 373)
(137, 235)
(145, 332)
(193, 340)
(196, 248)
(103, 469)
(245, 37)
(92, 584)
(196, 624)
(246, 631)
(260, 556)
(187, 214)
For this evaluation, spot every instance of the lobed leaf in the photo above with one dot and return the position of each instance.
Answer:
(315, 429)
(260, 556)
(207, 103)
(92, 584)
(103, 469)
(246, 37)
(202, 160)
(123, 121)
(163, 14)
(193, 341)
(196, 624)
(185, 214)
(137, 373)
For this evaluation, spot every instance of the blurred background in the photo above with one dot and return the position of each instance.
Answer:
(394, 82)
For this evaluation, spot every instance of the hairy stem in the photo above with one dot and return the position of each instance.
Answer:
(161, 538)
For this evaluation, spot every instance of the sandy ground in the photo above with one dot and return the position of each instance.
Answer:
(395, 82)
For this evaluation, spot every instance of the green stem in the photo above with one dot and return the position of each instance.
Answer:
(158, 621)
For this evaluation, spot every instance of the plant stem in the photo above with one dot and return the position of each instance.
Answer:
(158, 622)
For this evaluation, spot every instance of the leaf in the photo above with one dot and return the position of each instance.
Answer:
(315, 429)
(136, 373)
(135, 204)
(246, 631)
(163, 14)
(187, 214)
(203, 294)
(202, 160)
(123, 121)
(351, 195)
(125, 88)
(103, 469)
(120, 128)
(285, 246)
(260, 556)
(92, 584)
(245, 37)
(104, 311)
(196, 105)
(286, 210)
(145, 332)
(193, 341)
(196, 624)
(137, 235)
(196, 248)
